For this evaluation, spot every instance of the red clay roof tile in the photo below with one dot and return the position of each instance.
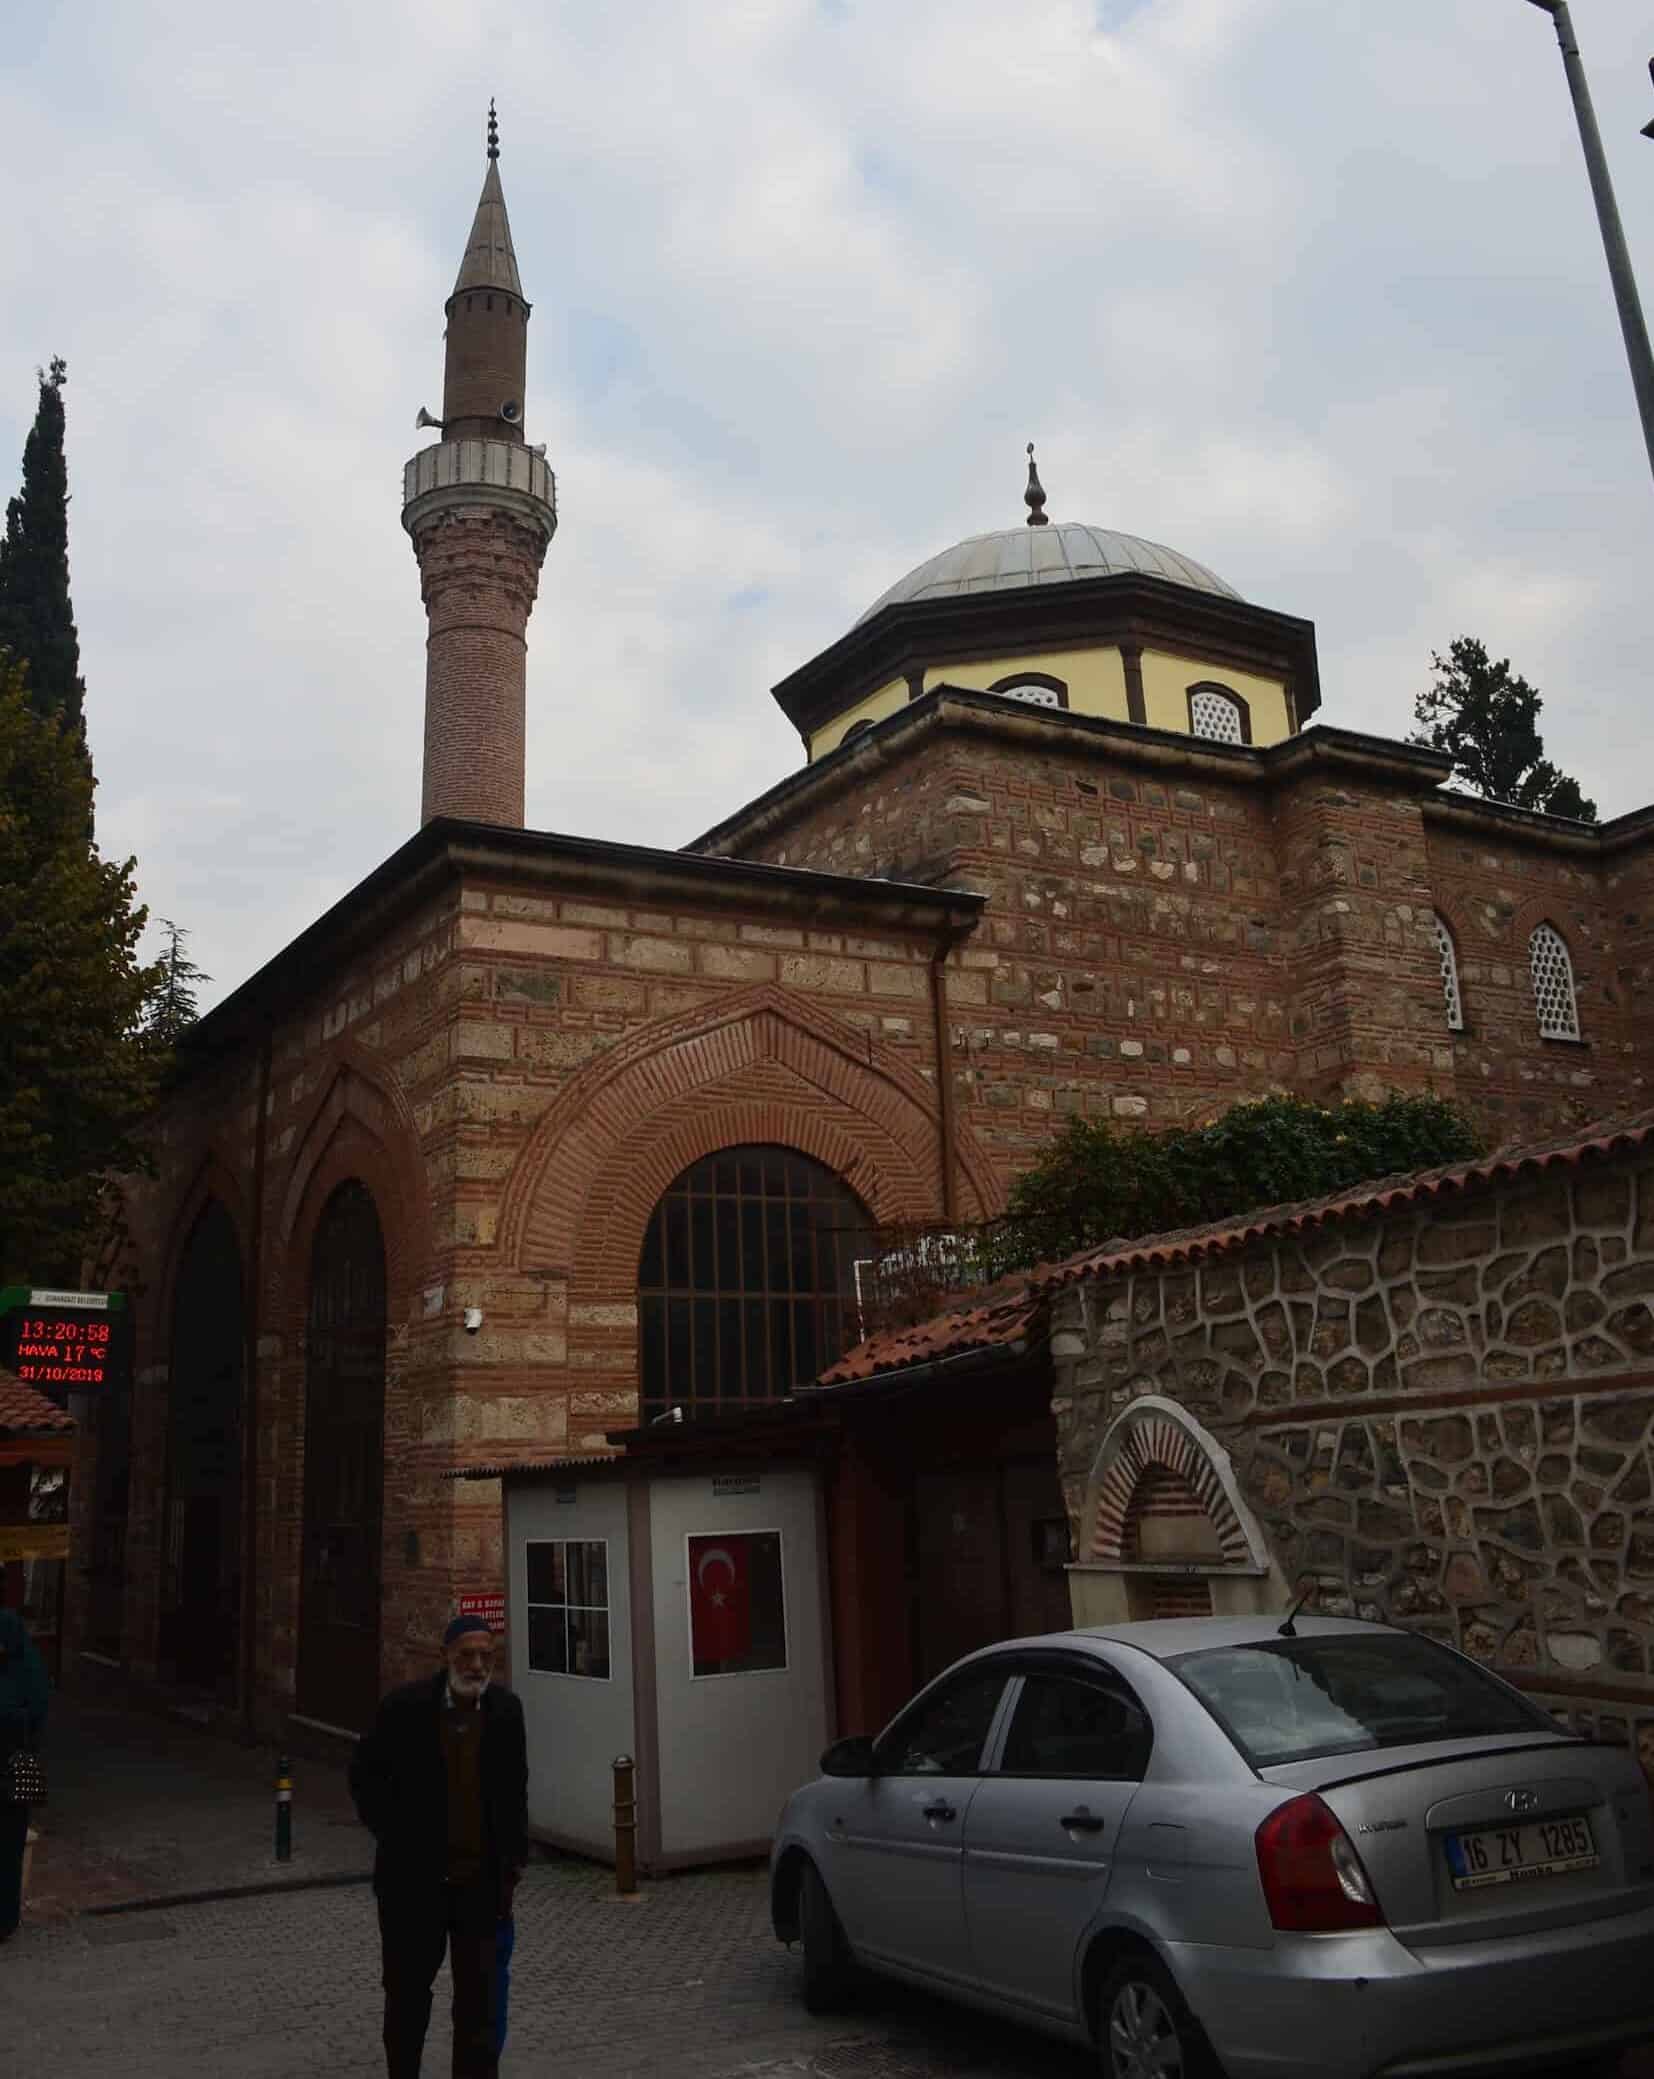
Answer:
(24, 1412)
(985, 1323)
(1006, 1313)
(1189, 1245)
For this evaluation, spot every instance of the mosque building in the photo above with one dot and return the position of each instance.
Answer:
(533, 1138)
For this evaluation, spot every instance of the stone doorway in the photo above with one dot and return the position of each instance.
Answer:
(344, 1466)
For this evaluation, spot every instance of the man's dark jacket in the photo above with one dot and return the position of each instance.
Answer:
(400, 1783)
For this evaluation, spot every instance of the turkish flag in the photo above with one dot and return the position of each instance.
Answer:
(720, 1600)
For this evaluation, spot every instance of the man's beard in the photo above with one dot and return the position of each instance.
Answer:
(468, 1686)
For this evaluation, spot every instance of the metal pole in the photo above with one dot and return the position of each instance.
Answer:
(625, 1816)
(1608, 216)
(284, 1810)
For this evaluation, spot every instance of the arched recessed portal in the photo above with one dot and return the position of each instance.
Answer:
(201, 1581)
(747, 1281)
(344, 1464)
(1164, 1531)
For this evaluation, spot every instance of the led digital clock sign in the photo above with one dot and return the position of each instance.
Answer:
(63, 1342)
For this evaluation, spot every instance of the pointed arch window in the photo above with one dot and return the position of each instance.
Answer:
(1448, 955)
(1220, 713)
(1553, 983)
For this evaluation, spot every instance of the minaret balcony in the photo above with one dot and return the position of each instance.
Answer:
(480, 472)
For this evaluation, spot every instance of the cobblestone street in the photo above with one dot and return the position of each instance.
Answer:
(106, 1977)
(691, 1981)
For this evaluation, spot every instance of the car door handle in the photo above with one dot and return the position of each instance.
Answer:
(1082, 1822)
(940, 1812)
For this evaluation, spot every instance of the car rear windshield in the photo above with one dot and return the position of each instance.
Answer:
(1296, 1699)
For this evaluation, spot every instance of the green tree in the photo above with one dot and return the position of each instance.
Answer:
(77, 1071)
(1486, 719)
(172, 1010)
(37, 621)
(1097, 1182)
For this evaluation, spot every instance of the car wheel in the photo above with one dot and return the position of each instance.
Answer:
(828, 1970)
(1144, 2026)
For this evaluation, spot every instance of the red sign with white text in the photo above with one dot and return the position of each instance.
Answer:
(490, 1608)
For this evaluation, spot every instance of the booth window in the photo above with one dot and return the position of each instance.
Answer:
(1553, 984)
(737, 1603)
(747, 1281)
(568, 1607)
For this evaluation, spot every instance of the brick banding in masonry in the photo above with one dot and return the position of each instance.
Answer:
(1157, 1443)
(803, 1079)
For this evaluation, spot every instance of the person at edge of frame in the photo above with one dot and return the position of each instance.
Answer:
(22, 1715)
(441, 1782)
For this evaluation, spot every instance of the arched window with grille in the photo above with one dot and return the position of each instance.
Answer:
(1220, 713)
(1448, 955)
(1553, 983)
(747, 1280)
(1037, 688)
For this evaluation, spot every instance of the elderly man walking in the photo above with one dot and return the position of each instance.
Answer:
(441, 1782)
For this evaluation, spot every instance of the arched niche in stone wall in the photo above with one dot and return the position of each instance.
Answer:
(1164, 1529)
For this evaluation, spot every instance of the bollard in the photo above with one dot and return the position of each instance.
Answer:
(625, 1817)
(284, 1810)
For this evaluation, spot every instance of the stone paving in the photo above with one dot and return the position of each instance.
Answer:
(283, 1984)
(144, 1806)
(690, 1982)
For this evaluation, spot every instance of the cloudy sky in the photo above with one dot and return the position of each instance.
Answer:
(1310, 289)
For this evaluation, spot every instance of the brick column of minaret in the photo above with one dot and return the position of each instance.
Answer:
(481, 508)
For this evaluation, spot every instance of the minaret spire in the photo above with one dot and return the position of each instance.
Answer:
(481, 507)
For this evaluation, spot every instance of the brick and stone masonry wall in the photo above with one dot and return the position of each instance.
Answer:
(1492, 880)
(1442, 1417)
(1157, 946)
(517, 1074)
(1130, 962)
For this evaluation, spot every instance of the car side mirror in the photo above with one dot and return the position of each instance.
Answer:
(851, 1757)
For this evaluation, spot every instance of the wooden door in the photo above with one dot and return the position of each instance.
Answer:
(344, 1466)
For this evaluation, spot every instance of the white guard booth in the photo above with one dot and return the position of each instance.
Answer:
(679, 1617)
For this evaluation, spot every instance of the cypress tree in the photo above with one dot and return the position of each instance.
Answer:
(37, 621)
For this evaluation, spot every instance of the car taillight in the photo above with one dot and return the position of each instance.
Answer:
(1312, 1877)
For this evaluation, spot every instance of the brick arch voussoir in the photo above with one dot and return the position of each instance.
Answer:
(361, 1110)
(879, 1172)
(681, 1060)
(1158, 1441)
(214, 1177)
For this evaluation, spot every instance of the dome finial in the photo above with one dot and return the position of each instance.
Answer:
(493, 130)
(1034, 496)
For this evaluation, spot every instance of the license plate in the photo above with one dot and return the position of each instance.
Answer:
(1516, 1854)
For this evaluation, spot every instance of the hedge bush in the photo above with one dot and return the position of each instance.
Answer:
(1099, 1181)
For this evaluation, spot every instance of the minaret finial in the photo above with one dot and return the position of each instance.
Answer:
(493, 130)
(1034, 496)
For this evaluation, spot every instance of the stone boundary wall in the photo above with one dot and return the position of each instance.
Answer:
(1441, 1417)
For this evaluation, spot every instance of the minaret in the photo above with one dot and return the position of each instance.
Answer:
(481, 508)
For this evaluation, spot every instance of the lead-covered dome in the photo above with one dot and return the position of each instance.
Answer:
(1044, 555)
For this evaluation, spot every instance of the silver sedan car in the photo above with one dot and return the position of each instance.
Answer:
(1255, 1846)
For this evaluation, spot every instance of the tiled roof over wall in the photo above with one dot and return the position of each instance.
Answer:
(1384, 1194)
(24, 1412)
(1007, 1314)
